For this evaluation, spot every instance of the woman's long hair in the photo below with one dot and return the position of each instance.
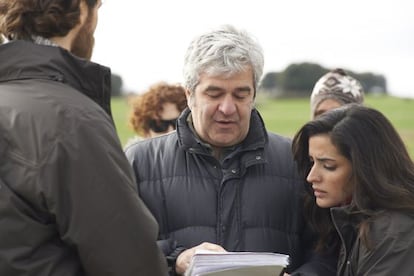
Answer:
(382, 170)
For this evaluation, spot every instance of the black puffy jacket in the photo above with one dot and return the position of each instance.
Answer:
(68, 201)
(250, 201)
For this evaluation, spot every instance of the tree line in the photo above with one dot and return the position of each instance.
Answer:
(298, 79)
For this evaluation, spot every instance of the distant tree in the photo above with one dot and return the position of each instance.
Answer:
(116, 81)
(269, 81)
(300, 78)
(373, 83)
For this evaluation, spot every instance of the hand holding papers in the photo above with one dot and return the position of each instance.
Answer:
(208, 263)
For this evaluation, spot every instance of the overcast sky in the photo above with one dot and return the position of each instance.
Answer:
(145, 41)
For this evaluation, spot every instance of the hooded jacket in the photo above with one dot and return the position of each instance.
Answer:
(248, 201)
(68, 202)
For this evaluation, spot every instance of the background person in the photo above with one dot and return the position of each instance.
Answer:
(155, 112)
(334, 89)
(68, 201)
(368, 194)
(221, 181)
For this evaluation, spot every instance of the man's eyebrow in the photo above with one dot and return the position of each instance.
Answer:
(244, 89)
(213, 88)
(238, 89)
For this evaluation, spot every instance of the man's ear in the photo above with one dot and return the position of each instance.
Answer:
(190, 97)
(187, 93)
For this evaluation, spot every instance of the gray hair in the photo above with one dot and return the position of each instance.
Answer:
(223, 51)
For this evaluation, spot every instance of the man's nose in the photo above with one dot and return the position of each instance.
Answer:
(227, 106)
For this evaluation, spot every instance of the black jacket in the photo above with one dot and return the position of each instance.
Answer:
(391, 240)
(250, 201)
(68, 201)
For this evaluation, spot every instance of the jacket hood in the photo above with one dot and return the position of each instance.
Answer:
(26, 60)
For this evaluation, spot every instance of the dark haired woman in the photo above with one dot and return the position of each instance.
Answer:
(361, 189)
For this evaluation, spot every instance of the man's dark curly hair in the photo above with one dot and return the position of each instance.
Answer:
(22, 19)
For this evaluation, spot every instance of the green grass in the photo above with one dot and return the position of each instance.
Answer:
(286, 116)
(120, 112)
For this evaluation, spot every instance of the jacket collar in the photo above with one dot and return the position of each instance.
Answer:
(27, 60)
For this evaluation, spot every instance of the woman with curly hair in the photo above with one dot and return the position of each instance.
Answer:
(155, 112)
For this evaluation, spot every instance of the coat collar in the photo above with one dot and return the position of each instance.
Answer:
(27, 60)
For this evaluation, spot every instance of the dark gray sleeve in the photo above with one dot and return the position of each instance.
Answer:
(171, 250)
(93, 195)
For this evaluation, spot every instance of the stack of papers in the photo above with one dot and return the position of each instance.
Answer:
(209, 263)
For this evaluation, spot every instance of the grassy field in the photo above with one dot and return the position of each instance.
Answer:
(285, 116)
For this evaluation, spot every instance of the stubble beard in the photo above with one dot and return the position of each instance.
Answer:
(84, 41)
